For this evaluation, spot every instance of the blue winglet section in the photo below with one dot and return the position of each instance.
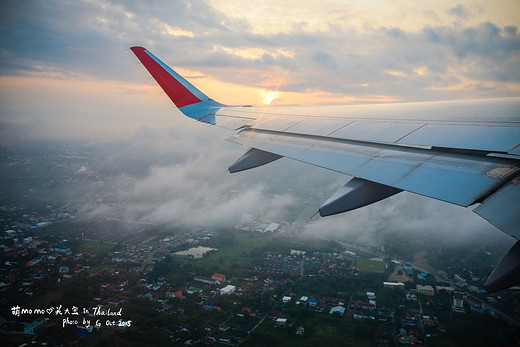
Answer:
(202, 111)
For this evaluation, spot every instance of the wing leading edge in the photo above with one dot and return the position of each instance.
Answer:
(463, 152)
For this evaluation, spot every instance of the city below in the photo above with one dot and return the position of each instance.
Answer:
(71, 278)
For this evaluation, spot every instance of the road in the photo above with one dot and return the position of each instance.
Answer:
(149, 257)
(249, 332)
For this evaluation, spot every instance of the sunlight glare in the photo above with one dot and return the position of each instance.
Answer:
(268, 97)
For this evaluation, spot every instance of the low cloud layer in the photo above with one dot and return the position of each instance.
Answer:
(407, 214)
(191, 187)
(184, 183)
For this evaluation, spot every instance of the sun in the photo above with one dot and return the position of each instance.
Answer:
(268, 97)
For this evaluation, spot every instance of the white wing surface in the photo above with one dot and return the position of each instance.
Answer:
(463, 152)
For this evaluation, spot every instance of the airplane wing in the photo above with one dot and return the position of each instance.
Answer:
(463, 152)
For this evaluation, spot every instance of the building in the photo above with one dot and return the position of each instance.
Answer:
(458, 302)
(339, 309)
(218, 277)
(411, 297)
(350, 254)
(61, 249)
(286, 299)
(355, 305)
(177, 294)
(425, 290)
(478, 308)
(193, 290)
(206, 280)
(449, 289)
(442, 274)
(281, 321)
(227, 289)
(399, 285)
(272, 227)
(313, 302)
(459, 278)
(10, 232)
(30, 328)
(408, 269)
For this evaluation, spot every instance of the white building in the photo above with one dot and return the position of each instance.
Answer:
(399, 285)
(339, 309)
(458, 303)
(272, 227)
(227, 289)
(281, 321)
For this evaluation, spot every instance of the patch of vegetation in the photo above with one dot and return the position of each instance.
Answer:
(370, 266)
(95, 247)
(320, 330)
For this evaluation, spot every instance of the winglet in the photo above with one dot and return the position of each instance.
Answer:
(191, 101)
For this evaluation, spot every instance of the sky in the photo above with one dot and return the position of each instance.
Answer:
(66, 72)
(69, 63)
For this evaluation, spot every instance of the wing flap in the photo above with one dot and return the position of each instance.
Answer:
(355, 194)
(383, 132)
(490, 138)
(253, 158)
(507, 272)
(498, 209)
(458, 178)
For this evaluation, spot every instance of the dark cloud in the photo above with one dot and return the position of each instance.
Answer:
(460, 11)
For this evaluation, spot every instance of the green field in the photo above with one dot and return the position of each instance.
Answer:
(95, 247)
(320, 330)
(370, 266)
(237, 250)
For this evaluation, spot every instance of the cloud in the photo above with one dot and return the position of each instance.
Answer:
(177, 180)
(406, 214)
(460, 11)
(335, 58)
